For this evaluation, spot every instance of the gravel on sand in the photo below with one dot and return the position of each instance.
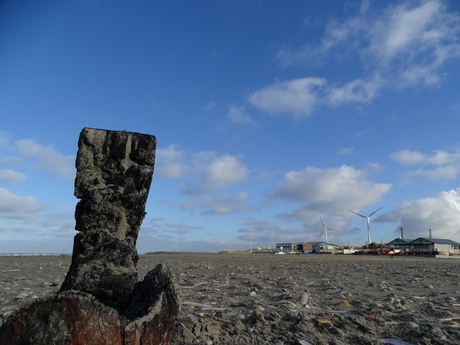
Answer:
(237, 298)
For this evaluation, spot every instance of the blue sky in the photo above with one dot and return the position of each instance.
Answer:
(268, 116)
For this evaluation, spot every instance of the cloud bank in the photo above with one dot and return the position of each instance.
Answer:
(401, 46)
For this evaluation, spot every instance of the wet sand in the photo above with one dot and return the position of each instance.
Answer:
(283, 299)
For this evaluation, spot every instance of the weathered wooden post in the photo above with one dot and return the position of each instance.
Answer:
(102, 300)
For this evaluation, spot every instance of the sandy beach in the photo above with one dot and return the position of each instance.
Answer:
(283, 299)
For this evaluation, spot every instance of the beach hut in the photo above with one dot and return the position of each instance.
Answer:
(423, 245)
(402, 244)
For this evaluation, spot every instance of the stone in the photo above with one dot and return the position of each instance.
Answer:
(345, 303)
(323, 320)
(102, 301)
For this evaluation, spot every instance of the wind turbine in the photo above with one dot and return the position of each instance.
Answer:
(325, 230)
(369, 240)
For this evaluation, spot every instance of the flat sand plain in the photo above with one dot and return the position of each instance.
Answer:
(283, 299)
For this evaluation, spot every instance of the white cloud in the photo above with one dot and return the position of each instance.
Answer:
(16, 207)
(413, 33)
(402, 28)
(220, 205)
(437, 157)
(5, 145)
(313, 227)
(446, 164)
(264, 233)
(224, 171)
(297, 96)
(220, 172)
(147, 244)
(170, 162)
(402, 46)
(210, 105)
(345, 151)
(440, 213)
(448, 172)
(365, 5)
(300, 96)
(204, 171)
(238, 115)
(356, 91)
(9, 175)
(54, 219)
(46, 157)
(328, 193)
(4, 139)
(337, 36)
(424, 74)
(180, 228)
(415, 37)
(10, 160)
(331, 190)
(160, 235)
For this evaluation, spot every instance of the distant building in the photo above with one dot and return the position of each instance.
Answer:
(306, 247)
(323, 247)
(288, 247)
(424, 245)
(400, 243)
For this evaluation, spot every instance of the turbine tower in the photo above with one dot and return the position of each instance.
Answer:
(325, 230)
(369, 239)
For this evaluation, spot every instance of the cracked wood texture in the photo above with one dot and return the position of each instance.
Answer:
(102, 301)
(114, 173)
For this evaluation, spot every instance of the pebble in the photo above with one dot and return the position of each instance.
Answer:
(240, 316)
(304, 299)
(412, 325)
(303, 342)
(323, 320)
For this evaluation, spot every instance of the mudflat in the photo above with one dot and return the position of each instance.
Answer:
(283, 299)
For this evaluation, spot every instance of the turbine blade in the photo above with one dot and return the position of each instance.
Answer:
(322, 221)
(357, 214)
(319, 235)
(376, 211)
